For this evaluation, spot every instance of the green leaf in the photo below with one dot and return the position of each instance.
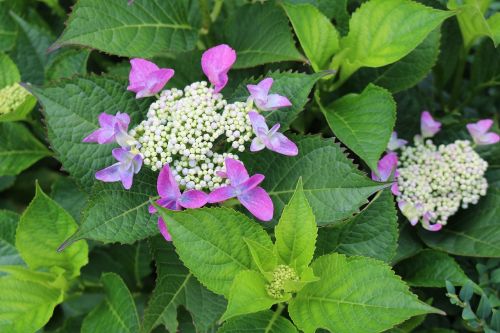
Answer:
(371, 233)
(295, 86)
(67, 63)
(336, 10)
(248, 294)
(333, 185)
(19, 149)
(69, 119)
(260, 322)
(9, 74)
(408, 243)
(296, 232)
(17, 103)
(176, 286)
(317, 36)
(364, 122)
(43, 226)
(6, 182)
(431, 268)
(117, 313)
(264, 257)
(494, 24)
(8, 29)
(66, 193)
(145, 29)
(260, 34)
(354, 294)
(473, 232)
(8, 252)
(208, 241)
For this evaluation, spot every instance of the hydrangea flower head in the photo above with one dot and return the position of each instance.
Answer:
(428, 126)
(146, 79)
(216, 62)
(259, 94)
(270, 138)
(386, 166)
(11, 97)
(112, 127)
(395, 143)
(480, 134)
(129, 164)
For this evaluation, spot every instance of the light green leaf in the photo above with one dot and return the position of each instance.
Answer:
(296, 232)
(371, 233)
(15, 103)
(208, 241)
(8, 225)
(364, 122)
(333, 185)
(431, 268)
(145, 29)
(264, 257)
(117, 313)
(248, 294)
(19, 149)
(474, 232)
(43, 226)
(317, 36)
(336, 10)
(67, 193)
(260, 34)
(354, 294)
(67, 63)
(494, 24)
(176, 286)
(260, 322)
(9, 74)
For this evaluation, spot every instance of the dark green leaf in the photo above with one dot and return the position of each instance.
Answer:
(260, 322)
(8, 251)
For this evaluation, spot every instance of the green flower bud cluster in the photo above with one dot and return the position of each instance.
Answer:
(437, 181)
(281, 274)
(11, 97)
(183, 129)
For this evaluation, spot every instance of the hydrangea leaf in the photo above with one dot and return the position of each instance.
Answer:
(318, 37)
(430, 268)
(408, 243)
(260, 34)
(67, 63)
(208, 241)
(117, 312)
(333, 185)
(494, 24)
(66, 193)
(296, 232)
(473, 232)
(69, 119)
(264, 321)
(9, 74)
(354, 294)
(8, 29)
(371, 233)
(336, 10)
(364, 122)
(8, 252)
(19, 106)
(176, 286)
(144, 29)
(264, 258)
(6, 182)
(19, 149)
(43, 226)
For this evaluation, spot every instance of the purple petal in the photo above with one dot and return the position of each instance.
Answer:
(137, 163)
(258, 202)
(274, 129)
(257, 145)
(275, 101)
(221, 194)
(94, 136)
(158, 79)
(193, 199)
(126, 177)
(140, 70)
(479, 132)
(428, 126)
(236, 171)
(250, 183)
(109, 174)
(395, 143)
(258, 123)
(489, 139)
(395, 189)
(166, 185)
(281, 144)
(123, 119)
(260, 91)
(162, 226)
(122, 154)
(385, 166)
(409, 211)
(216, 62)
(106, 120)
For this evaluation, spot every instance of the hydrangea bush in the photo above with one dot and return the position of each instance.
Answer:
(249, 166)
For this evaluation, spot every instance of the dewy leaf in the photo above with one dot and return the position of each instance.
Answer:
(144, 29)
(176, 286)
(474, 232)
(8, 252)
(117, 313)
(264, 321)
(333, 185)
(354, 294)
(371, 233)
(43, 226)
(317, 36)
(9, 74)
(209, 242)
(431, 268)
(296, 232)
(260, 34)
(19, 149)
(364, 122)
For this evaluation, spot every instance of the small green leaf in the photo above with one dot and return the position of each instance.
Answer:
(264, 257)
(364, 122)
(467, 291)
(9, 74)
(296, 232)
(264, 321)
(336, 10)
(8, 252)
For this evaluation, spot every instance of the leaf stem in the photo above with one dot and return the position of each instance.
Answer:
(216, 10)
(275, 316)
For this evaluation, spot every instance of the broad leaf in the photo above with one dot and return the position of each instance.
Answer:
(265, 321)
(67, 63)
(117, 313)
(364, 122)
(8, 29)
(494, 24)
(408, 242)
(19, 149)
(333, 185)
(8, 252)
(264, 257)
(9, 74)
(66, 193)
(209, 242)
(336, 10)
(354, 294)
(146, 28)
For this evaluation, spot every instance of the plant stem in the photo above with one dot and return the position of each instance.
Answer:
(457, 83)
(216, 10)
(275, 316)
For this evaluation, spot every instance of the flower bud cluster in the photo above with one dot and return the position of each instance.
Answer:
(437, 181)
(185, 128)
(281, 274)
(11, 97)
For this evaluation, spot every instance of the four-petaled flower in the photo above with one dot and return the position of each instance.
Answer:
(129, 163)
(146, 79)
(259, 94)
(270, 138)
(395, 143)
(216, 62)
(428, 126)
(386, 166)
(113, 128)
(480, 134)
(172, 198)
(246, 189)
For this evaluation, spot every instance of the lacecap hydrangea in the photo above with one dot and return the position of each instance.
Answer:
(432, 182)
(193, 137)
